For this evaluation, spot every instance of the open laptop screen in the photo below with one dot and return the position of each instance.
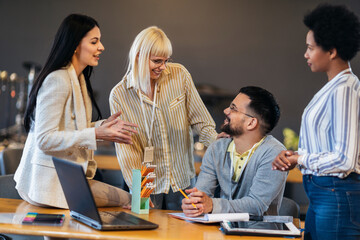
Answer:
(82, 205)
(76, 188)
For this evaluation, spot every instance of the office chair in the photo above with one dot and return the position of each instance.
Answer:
(289, 208)
(3, 237)
(9, 160)
(7, 189)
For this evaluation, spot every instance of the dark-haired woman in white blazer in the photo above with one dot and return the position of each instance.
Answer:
(58, 119)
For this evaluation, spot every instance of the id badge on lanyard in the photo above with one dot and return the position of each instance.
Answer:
(149, 154)
(149, 150)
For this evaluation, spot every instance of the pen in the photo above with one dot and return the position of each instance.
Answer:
(186, 197)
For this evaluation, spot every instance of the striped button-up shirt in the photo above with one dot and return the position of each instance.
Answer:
(179, 110)
(329, 134)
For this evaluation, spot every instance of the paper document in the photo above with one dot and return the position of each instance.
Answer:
(215, 217)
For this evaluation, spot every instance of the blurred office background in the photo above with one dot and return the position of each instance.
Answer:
(224, 44)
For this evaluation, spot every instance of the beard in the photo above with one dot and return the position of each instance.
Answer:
(232, 131)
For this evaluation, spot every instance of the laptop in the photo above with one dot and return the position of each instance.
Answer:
(82, 205)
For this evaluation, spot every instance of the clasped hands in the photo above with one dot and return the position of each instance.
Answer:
(286, 160)
(116, 130)
(201, 200)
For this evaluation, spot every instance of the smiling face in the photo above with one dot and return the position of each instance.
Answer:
(156, 66)
(317, 59)
(89, 49)
(236, 116)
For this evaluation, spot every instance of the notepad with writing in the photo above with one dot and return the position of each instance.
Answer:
(212, 218)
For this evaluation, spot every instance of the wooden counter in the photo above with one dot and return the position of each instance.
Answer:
(169, 228)
(110, 162)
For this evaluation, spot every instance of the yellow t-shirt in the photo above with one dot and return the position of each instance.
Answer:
(239, 161)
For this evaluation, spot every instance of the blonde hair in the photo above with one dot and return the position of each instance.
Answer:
(151, 41)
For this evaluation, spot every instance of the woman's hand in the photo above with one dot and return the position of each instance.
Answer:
(112, 117)
(222, 135)
(115, 130)
(286, 160)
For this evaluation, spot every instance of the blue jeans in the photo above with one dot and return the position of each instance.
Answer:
(334, 209)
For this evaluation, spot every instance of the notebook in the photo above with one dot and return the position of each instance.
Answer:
(82, 205)
(212, 218)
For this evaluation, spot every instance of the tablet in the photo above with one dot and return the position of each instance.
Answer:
(260, 228)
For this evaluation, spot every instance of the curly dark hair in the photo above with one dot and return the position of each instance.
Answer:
(335, 27)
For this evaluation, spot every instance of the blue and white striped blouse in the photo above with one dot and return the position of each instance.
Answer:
(329, 134)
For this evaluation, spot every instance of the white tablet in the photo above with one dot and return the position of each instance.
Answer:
(260, 228)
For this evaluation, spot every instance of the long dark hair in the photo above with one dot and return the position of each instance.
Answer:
(71, 31)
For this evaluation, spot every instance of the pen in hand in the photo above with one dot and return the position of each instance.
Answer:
(187, 198)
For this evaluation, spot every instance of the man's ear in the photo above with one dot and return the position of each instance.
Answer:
(252, 124)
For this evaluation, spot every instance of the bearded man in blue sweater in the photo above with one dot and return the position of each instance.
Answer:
(240, 166)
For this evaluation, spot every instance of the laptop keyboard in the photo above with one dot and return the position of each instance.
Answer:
(116, 218)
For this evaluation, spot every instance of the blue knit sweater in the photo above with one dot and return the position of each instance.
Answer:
(259, 190)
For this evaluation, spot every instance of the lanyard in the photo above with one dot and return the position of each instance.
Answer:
(148, 130)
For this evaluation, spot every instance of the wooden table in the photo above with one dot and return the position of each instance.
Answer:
(169, 228)
(106, 158)
(110, 162)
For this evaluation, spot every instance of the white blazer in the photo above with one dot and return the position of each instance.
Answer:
(62, 128)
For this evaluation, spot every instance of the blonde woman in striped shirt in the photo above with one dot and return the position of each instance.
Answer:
(162, 99)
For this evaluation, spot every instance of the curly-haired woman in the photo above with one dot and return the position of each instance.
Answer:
(330, 131)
